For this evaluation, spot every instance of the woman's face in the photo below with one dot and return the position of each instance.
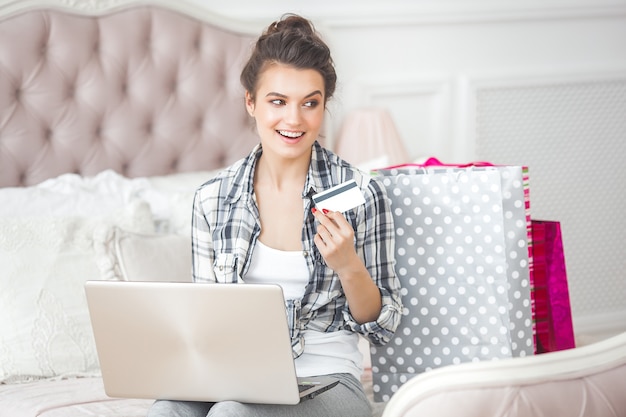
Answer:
(288, 109)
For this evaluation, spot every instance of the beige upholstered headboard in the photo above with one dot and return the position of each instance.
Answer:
(143, 88)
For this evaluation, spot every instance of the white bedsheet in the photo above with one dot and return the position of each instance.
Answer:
(76, 397)
(85, 397)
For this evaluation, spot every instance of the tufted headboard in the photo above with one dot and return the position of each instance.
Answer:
(143, 88)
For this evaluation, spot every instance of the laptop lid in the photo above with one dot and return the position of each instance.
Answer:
(194, 341)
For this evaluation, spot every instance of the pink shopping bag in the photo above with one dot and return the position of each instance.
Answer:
(552, 311)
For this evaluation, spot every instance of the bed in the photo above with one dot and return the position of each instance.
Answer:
(111, 114)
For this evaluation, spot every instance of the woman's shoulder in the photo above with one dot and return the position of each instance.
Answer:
(343, 170)
(225, 179)
(224, 174)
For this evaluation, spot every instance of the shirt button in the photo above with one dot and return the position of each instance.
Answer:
(305, 253)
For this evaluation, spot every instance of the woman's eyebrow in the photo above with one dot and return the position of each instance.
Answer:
(275, 94)
(316, 92)
(272, 93)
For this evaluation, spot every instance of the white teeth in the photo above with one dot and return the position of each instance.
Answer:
(291, 134)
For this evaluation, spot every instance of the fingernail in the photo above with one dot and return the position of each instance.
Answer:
(313, 210)
(325, 211)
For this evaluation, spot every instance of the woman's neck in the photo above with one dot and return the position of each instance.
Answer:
(278, 186)
(280, 173)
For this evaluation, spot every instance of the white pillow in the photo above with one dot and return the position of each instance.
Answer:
(49, 236)
(182, 181)
(128, 256)
(44, 263)
(72, 195)
(171, 199)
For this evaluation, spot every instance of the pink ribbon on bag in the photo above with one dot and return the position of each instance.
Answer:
(434, 162)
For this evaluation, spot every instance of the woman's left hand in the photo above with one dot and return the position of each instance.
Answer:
(335, 241)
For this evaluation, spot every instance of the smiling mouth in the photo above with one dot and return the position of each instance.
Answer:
(290, 135)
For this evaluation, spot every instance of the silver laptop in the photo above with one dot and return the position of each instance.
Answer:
(197, 342)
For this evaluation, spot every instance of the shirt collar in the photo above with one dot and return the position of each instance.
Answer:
(243, 177)
(317, 178)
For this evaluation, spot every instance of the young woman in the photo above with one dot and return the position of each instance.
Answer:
(255, 223)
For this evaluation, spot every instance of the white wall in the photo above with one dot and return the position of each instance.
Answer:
(539, 83)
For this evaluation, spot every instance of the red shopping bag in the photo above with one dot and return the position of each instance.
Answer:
(551, 304)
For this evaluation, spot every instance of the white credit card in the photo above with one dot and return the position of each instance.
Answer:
(342, 197)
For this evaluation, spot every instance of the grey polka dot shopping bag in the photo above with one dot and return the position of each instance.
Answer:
(462, 257)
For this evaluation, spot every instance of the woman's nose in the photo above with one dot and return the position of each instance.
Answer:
(293, 115)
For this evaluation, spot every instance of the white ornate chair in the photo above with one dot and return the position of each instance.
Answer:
(585, 381)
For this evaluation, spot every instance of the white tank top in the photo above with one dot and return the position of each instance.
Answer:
(324, 353)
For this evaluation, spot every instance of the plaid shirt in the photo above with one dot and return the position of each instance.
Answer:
(225, 228)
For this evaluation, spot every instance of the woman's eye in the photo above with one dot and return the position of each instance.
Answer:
(312, 103)
(278, 102)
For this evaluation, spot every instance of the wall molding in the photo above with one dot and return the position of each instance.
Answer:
(367, 14)
(531, 78)
(411, 16)
(430, 102)
(372, 88)
(449, 103)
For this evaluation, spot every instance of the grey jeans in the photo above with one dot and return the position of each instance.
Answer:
(347, 399)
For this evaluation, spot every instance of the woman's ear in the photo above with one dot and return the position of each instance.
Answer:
(249, 104)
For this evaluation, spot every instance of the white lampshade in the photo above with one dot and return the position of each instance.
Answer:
(369, 138)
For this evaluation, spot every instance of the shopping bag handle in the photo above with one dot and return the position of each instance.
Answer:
(434, 162)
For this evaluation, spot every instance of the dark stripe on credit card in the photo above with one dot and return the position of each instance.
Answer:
(331, 193)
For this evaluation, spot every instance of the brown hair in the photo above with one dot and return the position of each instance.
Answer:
(292, 41)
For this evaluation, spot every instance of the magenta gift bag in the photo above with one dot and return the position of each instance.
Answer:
(550, 294)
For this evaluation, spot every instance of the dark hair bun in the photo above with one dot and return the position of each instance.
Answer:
(291, 22)
(292, 40)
